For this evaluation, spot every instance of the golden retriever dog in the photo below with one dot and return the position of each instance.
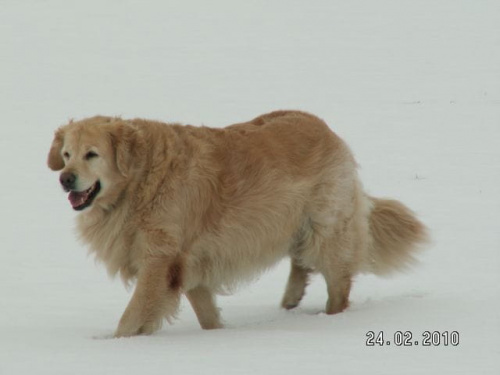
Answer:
(196, 210)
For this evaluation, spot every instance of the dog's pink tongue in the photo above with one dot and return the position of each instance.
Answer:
(77, 198)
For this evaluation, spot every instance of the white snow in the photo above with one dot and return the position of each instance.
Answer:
(413, 86)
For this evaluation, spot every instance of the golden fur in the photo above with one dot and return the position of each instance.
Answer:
(195, 210)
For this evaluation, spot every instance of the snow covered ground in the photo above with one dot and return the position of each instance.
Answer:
(413, 86)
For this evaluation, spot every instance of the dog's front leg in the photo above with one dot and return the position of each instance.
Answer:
(156, 296)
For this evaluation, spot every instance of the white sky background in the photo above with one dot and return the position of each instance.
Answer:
(413, 86)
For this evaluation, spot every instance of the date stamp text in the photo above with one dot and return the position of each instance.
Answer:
(408, 338)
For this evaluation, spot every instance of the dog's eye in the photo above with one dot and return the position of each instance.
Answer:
(66, 155)
(90, 155)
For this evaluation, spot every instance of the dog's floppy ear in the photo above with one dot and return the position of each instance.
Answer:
(124, 142)
(55, 160)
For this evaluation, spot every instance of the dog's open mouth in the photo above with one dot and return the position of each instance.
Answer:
(82, 199)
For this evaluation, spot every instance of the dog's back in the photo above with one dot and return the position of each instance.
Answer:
(280, 178)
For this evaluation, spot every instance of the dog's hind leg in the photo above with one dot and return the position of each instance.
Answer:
(327, 250)
(203, 302)
(338, 285)
(296, 286)
(304, 240)
(156, 296)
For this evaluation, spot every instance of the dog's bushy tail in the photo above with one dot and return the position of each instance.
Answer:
(396, 235)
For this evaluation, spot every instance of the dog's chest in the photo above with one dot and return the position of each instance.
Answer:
(112, 242)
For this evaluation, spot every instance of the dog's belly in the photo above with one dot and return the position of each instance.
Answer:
(224, 266)
(241, 249)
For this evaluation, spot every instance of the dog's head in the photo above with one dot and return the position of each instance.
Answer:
(95, 157)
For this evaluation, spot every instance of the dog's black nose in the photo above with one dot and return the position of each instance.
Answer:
(67, 180)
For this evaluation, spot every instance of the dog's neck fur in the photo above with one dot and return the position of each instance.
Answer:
(107, 227)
